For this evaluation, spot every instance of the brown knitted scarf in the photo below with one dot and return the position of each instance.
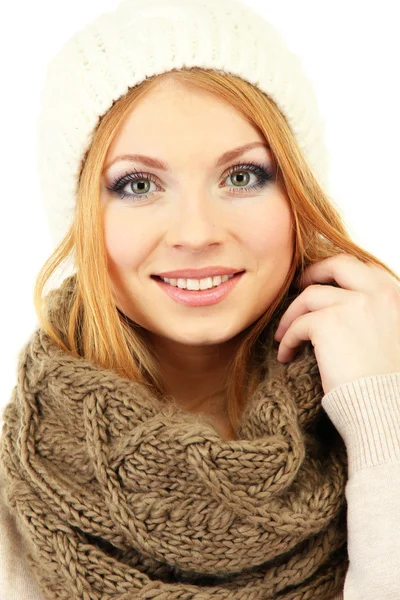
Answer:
(120, 496)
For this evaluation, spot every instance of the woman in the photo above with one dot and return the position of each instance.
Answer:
(210, 406)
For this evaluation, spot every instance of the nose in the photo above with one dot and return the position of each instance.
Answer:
(197, 224)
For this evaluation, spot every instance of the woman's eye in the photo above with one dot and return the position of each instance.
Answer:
(137, 185)
(241, 175)
(140, 187)
(241, 180)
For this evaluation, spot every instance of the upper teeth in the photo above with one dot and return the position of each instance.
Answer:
(198, 284)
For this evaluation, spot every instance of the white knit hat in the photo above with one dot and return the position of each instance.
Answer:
(142, 38)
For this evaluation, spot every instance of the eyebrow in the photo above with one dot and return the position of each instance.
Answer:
(155, 163)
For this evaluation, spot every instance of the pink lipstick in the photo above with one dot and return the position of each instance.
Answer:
(199, 297)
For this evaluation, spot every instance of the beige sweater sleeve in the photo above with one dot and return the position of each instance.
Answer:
(16, 583)
(366, 413)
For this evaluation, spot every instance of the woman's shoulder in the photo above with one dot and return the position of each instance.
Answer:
(16, 581)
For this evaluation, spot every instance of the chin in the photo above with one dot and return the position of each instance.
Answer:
(202, 338)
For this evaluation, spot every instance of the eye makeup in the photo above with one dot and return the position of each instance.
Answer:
(118, 185)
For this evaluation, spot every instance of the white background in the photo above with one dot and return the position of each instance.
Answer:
(350, 49)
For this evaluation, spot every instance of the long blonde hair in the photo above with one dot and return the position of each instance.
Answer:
(97, 330)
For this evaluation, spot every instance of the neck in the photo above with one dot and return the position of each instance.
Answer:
(195, 375)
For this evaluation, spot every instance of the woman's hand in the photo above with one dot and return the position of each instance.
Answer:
(354, 328)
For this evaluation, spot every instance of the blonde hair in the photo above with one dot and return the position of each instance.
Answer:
(98, 331)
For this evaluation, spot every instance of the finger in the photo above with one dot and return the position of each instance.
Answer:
(346, 270)
(300, 331)
(315, 297)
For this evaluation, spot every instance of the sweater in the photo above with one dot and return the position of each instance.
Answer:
(366, 413)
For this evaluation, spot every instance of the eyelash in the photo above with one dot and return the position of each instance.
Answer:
(117, 186)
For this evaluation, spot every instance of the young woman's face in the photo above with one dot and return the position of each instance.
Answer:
(193, 215)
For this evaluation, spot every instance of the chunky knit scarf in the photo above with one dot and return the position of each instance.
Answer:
(120, 496)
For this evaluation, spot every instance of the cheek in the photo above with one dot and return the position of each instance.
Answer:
(123, 238)
(270, 231)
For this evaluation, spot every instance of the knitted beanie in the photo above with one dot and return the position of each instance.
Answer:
(140, 39)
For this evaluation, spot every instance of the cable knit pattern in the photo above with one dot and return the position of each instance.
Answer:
(119, 495)
(142, 38)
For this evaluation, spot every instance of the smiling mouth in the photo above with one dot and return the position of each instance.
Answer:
(193, 284)
(190, 294)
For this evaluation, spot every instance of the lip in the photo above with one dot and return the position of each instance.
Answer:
(200, 297)
(199, 273)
